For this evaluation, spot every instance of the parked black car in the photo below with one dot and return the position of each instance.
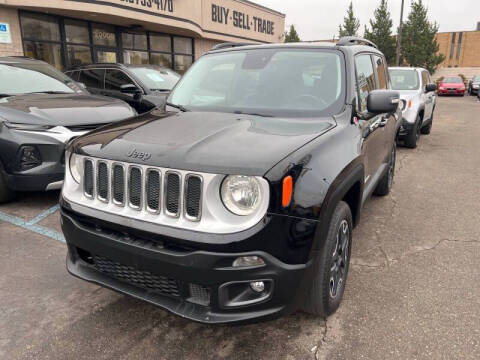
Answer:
(144, 87)
(40, 110)
(239, 200)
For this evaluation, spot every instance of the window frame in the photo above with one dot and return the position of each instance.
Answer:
(365, 113)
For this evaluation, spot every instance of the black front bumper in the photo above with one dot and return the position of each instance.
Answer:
(195, 284)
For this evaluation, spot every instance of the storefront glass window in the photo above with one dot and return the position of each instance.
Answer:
(182, 45)
(104, 35)
(160, 43)
(161, 59)
(76, 32)
(182, 63)
(135, 57)
(78, 55)
(134, 41)
(48, 52)
(40, 27)
(106, 56)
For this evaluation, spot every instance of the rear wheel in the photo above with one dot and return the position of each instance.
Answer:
(328, 285)
(6, 194)
(414, 135)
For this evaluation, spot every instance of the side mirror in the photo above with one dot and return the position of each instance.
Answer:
(383, 101)
(130, 89)
(430, 87)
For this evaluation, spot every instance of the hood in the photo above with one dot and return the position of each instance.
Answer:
(220, 143)
(63, 109)
(452, 85)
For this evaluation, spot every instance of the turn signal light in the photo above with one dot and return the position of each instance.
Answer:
(409, 104)
(287, 190)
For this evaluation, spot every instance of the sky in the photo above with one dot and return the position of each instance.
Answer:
(319, 19)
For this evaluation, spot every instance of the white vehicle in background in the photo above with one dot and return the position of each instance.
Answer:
(417, 92)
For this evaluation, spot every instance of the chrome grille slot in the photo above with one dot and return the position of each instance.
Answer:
(135, 187)
(118, 184)
(88, 178)
(102, 181)
(172, 194)
(193, 196)
(152, 190)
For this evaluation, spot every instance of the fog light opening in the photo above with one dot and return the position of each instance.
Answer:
(257, 286)
(248, 261)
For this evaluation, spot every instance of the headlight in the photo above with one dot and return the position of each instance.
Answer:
(75, 165)
(241, 195)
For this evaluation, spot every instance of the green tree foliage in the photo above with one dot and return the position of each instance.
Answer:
(350, 24)
(292, 35)
(381, 31)
(419, 45)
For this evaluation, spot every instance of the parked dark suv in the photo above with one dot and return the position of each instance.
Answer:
(142, 86)
(237, 201)
(41, 109)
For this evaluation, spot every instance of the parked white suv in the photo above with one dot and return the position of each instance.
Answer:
(417, 92)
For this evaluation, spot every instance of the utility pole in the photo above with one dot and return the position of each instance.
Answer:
(399, 37)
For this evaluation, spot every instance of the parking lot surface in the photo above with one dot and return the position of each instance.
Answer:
(413, 290)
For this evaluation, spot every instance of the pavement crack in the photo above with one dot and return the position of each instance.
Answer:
(321, 343)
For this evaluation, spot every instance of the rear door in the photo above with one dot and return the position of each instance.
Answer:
(429, 97)
(93, 79)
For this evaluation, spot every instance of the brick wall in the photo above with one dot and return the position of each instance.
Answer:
(469, 53)
(10, 16)
(203, 45)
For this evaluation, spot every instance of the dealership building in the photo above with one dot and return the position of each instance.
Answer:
(172, 33)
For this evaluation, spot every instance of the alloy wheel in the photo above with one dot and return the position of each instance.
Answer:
(338, 269)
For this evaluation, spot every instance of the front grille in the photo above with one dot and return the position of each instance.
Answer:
(140, 278)
(142, 188)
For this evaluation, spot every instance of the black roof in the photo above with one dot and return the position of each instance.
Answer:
(116, 65)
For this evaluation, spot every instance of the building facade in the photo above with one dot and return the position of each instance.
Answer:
(461, 49)
(172, 33)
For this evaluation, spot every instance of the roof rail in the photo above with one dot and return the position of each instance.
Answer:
(226, 45)
(354, 40)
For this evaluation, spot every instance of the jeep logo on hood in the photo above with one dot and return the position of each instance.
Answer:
(139, 155)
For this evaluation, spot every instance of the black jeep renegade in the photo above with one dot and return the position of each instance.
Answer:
(238, 200)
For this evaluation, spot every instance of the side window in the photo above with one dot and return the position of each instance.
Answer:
(381, 72)
(365, 79)
(72, 75)
(114, 79)
(92, 78)
(424, 79)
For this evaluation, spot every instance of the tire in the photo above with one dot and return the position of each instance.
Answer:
(328, 285)
(414, 135)
(427, 129)
(6, 194)
(386, 182)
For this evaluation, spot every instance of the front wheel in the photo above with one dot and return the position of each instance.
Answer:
(386, 182)
(6, 194)
(328, 285)
(414, 134)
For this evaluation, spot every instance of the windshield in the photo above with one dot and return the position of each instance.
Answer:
(405, 79)
(269, 82)
(156, 79)
(453, 80)
(476, 79)
(23, 78)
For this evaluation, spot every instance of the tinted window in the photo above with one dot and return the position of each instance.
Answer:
(92, 78)
(76, 31)
(404, 79)
(104, 35)
(283, 82)
(381, 72)
(40, 27)
(365, 79)
(114, 79)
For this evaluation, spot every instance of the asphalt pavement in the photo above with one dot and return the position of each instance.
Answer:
(413, 290)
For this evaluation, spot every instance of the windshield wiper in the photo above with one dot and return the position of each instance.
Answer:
(179, 107)
(5, 95)
(252, 113)
(50, 92)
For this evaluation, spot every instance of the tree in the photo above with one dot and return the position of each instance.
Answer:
(419, 45)
(292, 35)
(350, 24)
(381, 31)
